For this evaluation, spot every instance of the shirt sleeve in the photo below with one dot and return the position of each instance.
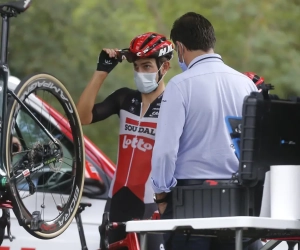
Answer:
(170, 125)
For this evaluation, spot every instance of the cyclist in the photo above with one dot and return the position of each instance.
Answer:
(131, 194)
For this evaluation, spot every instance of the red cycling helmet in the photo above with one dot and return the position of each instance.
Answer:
(258, 80)
(151, 45)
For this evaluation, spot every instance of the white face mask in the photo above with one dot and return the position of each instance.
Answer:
(146, 82)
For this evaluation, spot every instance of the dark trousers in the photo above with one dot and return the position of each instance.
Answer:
(179, 241)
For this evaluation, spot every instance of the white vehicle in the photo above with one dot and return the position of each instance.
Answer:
(98, 174)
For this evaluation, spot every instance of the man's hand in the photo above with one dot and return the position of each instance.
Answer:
(162, 207)
(107, 60)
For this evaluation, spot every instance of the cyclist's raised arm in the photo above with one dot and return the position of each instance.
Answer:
(111, 105)
(106, 62)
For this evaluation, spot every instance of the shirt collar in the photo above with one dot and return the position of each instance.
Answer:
(202, 57)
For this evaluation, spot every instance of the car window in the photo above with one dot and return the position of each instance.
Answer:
(30, 134)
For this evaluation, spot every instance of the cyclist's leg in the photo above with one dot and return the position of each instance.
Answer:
(154, 241)
(124, 206)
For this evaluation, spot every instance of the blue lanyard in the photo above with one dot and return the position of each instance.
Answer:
(204, 59)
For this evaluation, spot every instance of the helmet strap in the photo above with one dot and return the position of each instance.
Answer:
(159, 73)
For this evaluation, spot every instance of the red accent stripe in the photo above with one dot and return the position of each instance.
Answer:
(212, 182)
(142, 124)
(26, 248)
(148, 124)
(131, 121)
(4, 248)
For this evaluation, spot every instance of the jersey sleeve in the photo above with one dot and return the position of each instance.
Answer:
(110, 106)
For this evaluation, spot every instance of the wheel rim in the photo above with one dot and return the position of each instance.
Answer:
(59, 182)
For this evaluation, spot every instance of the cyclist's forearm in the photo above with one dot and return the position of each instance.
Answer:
(87, 99)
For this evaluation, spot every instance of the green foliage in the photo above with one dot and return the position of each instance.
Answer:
(64, 38)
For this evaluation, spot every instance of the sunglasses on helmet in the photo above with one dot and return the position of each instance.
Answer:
(125, 54)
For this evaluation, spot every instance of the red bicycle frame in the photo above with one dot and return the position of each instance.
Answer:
(131, 241)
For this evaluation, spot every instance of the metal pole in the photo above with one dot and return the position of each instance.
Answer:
(80, 230)
(238, 239)
(4, 39)
(143, 241)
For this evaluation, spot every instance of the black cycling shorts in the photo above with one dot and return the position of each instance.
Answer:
(125, 206)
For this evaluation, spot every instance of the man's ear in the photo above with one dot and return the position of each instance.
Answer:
(166, 66)
(180, 48)
(177, 45)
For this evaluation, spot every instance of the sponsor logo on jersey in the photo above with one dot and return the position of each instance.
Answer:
(154, 113)
(136, 143)
(135, 101)
(131, 109)
(149, 131)
(140, 127)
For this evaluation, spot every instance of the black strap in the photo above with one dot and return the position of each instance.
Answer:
(234, 135)
(189, 182)
(188, 235)
(209, 57)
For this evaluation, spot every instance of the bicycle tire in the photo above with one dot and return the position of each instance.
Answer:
(32, 84)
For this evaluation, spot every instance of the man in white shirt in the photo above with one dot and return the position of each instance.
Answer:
(192, 142)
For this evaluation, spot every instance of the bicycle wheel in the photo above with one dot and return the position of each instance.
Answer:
(44, 174)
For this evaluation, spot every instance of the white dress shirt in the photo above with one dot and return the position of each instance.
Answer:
(192, 140)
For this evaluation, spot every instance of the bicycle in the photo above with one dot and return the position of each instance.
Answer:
(131, 240)
(27, 173)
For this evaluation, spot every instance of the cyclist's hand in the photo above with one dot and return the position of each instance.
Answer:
(107, 60)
